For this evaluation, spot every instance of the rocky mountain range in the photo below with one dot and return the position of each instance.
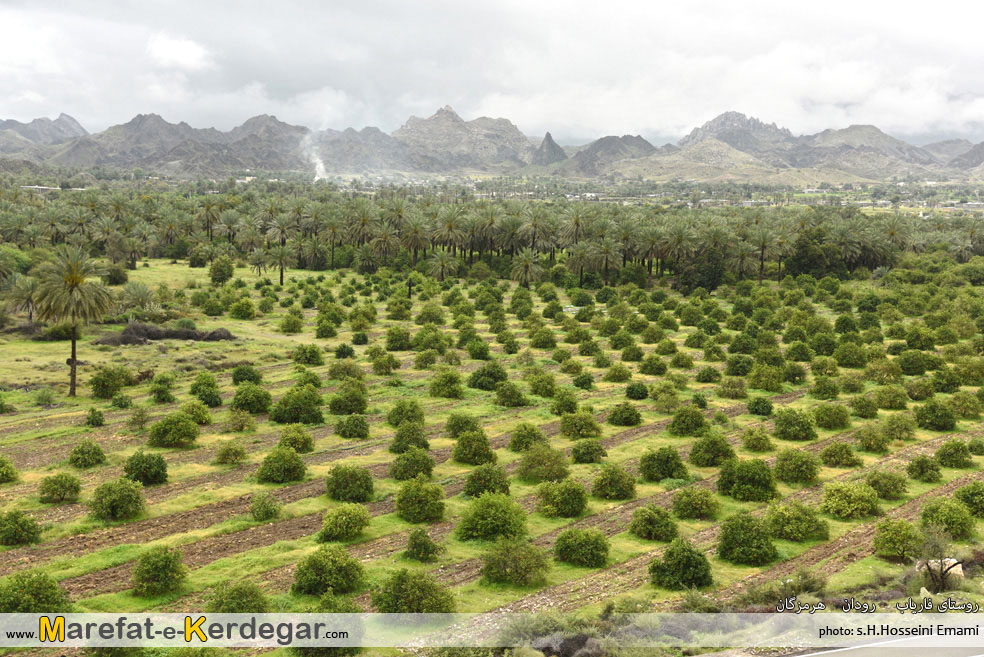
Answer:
(731, 146)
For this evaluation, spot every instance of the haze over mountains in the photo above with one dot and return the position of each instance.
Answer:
(729, 147)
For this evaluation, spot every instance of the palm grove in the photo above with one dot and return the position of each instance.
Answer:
(49, 270)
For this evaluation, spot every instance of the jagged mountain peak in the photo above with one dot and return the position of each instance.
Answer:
(548, 152)
(740, 131)
(45, 131)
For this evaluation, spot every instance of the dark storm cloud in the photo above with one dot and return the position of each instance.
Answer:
(579, 69)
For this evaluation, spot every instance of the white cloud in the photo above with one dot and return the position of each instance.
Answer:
(656, 69)
(177, 52)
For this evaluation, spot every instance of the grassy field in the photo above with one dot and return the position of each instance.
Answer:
(203, 508)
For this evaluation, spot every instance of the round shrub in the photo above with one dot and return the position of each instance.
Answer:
(409, 434)
(473, 448)
(749, 480)
(246, 374)
(109, 380)
(624, 415)
(951, 515)
(897, 540)
(864, 407)
(242, 597)
(405, 410)
(582, 547)
(760, 406)
(524, 436)
(344, 522)
(636, 391)
(613, 483)
(794, 466)
(231, 452)
(487, 478)
(888, 484)
(410, 464)
(251, 398)
(297, 438)
(653, 523)
(663, 463)
(579, 425)
(509, 395)
(733, 387)
(832, 416)
(32, 592)
(564, 499)
(682, 566)
(794, 521)
(349, 483)
(687, 421)
(935, 416)
(117, 500)
(420, 501)
(446, 383)
(18, 528)
(421, 547)
(175, 430)
(280, 466)
(696, 503)
(329, 569)
(840, 455)
(711, 450)
(925, 469)
(849, 500)
(588, 450)
(407, 592)
(158, 570)
(513, 561)
(350, 398)
(87, 454)
(954, 454)
(972, 496)
(541, 463)
(59, 488)
(352, 426)
(791, 424)
(264, 507)
(756, 439)
(745, 540)
(491, 516)
(901, 426)
(301, 405)
(148, 469)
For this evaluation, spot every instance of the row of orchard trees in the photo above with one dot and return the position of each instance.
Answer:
(325, 230)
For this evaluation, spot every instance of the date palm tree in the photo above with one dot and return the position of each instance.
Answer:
(69, 292)
(24, 295)
(442, 264)
(414, 235)
(281, 257)
(526, 268)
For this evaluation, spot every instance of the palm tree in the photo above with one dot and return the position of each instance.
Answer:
(414, 237)
(489, 217)
(763, 239)
(526, 268)
(258, 261)
(742, 259)
(608, 256)
(208, 214)
(579, 258)
(24, 295)
(385, 243)
(68, 292)
(442, 264)
(281, 257)
(362, 222)
(575, 224)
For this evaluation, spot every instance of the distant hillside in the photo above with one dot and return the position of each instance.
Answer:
(731, 146)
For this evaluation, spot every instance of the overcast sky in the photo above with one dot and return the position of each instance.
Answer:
(578, 69)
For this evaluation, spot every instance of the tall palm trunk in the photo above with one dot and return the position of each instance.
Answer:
(71, 385)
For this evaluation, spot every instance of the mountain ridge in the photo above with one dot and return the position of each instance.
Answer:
(729, 146)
